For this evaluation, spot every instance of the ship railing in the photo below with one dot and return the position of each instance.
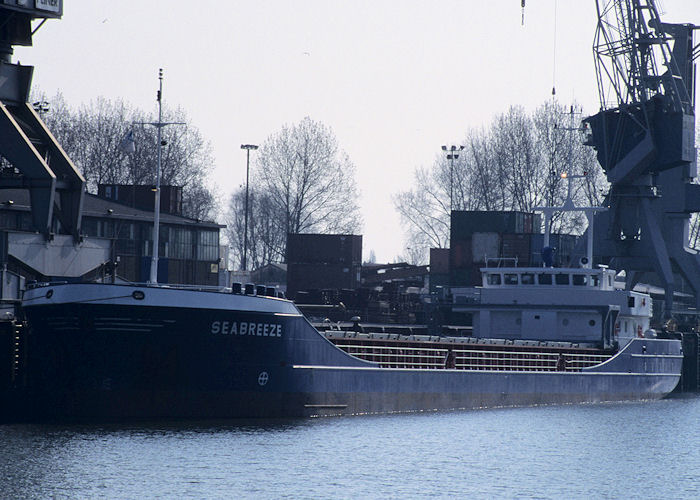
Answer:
(204, 288)
(470, 359)
(176, 286)
(179, 286)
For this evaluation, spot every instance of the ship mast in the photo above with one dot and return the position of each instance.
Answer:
(156, 211)
(569, 205)
(153, 277)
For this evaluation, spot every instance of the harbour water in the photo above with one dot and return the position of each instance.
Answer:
(628, 450)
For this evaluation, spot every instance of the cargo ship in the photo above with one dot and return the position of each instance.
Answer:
(542, 335)
(539, 336)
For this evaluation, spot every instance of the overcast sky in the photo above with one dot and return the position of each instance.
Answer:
(394, 79)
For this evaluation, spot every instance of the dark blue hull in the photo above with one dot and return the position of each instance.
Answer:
(185, 354)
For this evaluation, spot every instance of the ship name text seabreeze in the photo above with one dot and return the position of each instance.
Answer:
(246, 328)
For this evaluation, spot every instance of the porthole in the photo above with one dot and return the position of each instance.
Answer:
(49, 294)
(565, 322)
(138, 295)
(591, 322)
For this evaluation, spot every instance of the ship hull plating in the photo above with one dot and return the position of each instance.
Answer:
(105, 352)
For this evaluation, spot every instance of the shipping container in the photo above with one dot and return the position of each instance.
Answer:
(461, 277)
(567, 246)
(460, 254)
(439, 280)
(439, 260)
(463, 224)
(485, 246)
(564, 245)
(324, 248)
(516, 246)
(305, 276)
(469, 276)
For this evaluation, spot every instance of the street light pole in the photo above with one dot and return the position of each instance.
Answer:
(248, 148)
(452, 155)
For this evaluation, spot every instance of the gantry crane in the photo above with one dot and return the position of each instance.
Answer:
(644, 137)
(55, 186)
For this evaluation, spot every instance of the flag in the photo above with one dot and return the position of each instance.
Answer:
(128, 145)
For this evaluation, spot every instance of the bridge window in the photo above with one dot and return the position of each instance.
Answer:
(510, 279)
(493, 279)
(527, 279)
(544, 279)
(580, 279)
(562, 279)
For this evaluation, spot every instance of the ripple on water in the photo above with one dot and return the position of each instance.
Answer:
(574, 451)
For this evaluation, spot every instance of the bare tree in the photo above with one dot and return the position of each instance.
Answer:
(516, 164)
(516, 159)
(309, 179)
(91, 136)
(416, 256)
(303, 183)
(372, 257)
(425, 211)
(487, 192)
(559, 141)
(266, 236)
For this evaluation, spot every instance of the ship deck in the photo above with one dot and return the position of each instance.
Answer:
(392, 350)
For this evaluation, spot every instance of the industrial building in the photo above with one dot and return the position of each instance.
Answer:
(116, 240)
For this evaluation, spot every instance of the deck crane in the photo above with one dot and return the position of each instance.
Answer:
(644, 137)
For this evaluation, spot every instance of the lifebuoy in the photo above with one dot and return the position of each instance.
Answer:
(617, 327)
(639, 331)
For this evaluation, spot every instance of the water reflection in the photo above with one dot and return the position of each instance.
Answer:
(573, 451)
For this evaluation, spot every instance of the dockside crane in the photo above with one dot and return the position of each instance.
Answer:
(55, 185)
(644, 137)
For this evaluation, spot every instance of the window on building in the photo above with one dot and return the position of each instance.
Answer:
(126, 241)
(181, 243)
(208, 245)
(105, 229)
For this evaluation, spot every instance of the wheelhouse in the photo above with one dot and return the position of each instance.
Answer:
(601, 279)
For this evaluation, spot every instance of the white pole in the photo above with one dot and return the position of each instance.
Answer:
(156, 213)
(590, 215)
